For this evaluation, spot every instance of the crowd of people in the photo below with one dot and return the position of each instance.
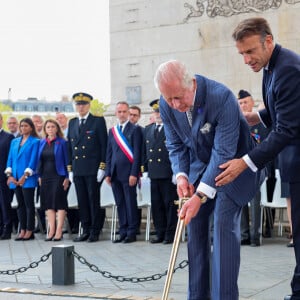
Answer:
(203, 143)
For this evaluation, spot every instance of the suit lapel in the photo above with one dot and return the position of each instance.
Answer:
(24, 146)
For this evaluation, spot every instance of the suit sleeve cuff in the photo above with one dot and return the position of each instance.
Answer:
(209, 191)
(250, 163)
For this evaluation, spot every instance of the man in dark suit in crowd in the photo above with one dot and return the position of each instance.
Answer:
(250, 231)
(123, 162)
(158, 168)
(5, 195)
(281, 94)
(87, 141)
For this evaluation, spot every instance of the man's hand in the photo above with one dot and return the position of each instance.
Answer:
(190, 209)
(108, 180)
(252, 118)
(132, 180)
(232, 169)
(184, 189)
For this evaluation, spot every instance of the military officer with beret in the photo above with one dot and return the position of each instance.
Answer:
(163, 190)
(87, 140)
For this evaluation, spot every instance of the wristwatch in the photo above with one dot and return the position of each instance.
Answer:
(202, 198)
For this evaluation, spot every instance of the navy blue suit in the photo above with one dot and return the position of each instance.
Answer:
(219, 133)
(281, 94)
(5, 196)
(119, 168)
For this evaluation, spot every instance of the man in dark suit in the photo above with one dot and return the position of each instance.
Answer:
(123, 162)
(204, 127)
(281, 94)
(87, 141)
(5, 195)
(163, 190)
(250, 234)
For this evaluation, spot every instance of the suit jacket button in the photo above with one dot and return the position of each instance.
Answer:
(150, 160)
(76, 157)
(159, 149)
(83, 156)
(158, 159)
(150, 150)
(75, 148)
(88, 137)
(83, 147)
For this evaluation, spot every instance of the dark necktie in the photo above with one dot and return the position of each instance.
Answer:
(121, 128)
(81, 124)
(156, 131)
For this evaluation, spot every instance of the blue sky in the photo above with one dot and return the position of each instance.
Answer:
(52, 48)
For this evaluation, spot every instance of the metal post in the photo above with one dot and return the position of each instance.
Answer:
(63, 265)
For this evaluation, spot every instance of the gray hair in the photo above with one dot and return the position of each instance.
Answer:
(172, 70)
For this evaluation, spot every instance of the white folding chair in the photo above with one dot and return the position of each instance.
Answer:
(278, 203)
(107, 200)
(37, 206)
(144, 201)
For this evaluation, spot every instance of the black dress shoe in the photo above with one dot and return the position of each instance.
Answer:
(129, 239)
(289, 245)
(29, 238)
(245, 242)
(93, 238)
(157, 240)
(19, 239)
(5, 236)
(119, 240)
(288, 297)
(81, 238)
(255, 243)
(166, 242)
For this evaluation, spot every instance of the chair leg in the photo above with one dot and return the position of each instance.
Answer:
(148, 222)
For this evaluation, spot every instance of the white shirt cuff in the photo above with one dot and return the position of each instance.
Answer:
(29, 171)
(182, 174)
(8, 170)
(209, 191)
(249, 163)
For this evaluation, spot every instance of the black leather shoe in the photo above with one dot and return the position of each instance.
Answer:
(119, 240)
(255, 243)
(288, 297)
(166, 242)
(157, 240)
(18, 239)
(129, 239)
(289, 245)
(81, 238)
(245, 242)
(5, 236)
(93, 238)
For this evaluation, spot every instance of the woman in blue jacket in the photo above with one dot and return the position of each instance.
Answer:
(20, 170)
(53, 177)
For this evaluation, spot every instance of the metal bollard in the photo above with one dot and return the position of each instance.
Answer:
(62, 265)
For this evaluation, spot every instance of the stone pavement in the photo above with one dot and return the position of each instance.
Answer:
(265, 272)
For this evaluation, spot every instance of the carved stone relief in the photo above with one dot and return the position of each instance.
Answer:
(227, 8)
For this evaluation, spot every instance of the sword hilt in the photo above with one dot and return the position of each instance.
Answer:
(181, 201)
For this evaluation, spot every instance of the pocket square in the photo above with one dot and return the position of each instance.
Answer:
(206, 128)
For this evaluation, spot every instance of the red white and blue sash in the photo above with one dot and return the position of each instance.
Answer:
(122, 142)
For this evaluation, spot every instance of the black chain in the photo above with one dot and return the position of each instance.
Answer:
(121, 278)
(32, 265)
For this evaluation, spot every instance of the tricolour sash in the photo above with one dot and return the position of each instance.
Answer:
(122, 142)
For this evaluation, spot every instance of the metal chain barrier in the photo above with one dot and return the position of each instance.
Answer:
(121, 278)
(32, 265)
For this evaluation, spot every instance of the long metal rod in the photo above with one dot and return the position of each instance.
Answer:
(174, 252)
